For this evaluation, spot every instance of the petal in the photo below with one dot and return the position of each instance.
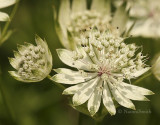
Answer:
(66, 57)
(95, 99)
(6, 3)
(74, 89)
(130, 94)
(69, 79)
(120, 18)
(14, 62)
(140, 72)
(137, 89)
(107, 100)
(85, 92)
(102, 6)
(120, 98)
(4, 16)
(79, 6)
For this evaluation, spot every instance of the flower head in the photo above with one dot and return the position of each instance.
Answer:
(104, 63)
(33, 63)
(72, 21)
(3, 4)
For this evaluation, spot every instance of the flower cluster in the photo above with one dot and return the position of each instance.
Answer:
(104, 63)
(33, 63)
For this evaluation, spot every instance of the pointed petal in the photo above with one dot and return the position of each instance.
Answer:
(120, 18)
(95, 99)
(140, 72)
(79, 6)
(21, 49)
(102, 6)
(4, 16)
(66, 57)
(107, 100)
(6, 3)
(120, 98)
(137, 89)
(14, 62)
(130, 94)
(85, 92)
(73, 89)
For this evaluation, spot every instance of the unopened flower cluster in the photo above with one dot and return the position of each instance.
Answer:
(103, 61)
(33, 63)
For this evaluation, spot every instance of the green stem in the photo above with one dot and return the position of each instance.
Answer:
(8, 23)
(4, 99)
(57, 84)
(143, 77)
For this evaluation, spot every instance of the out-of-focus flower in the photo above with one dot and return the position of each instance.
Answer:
(146, 13)
(104, 63)
(33, 63)
(72, 21)
(3, 4)
(156, 68)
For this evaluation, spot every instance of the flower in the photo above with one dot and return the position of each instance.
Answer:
(3, 4)
(156, 68)
(33, 63)
(104, 63)
(146, 13)
(72, 21)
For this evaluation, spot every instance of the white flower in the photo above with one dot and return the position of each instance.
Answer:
(33, 63)
(156, 68)
(147, 13)
(104, 63)
(72, 21)
(3, 4)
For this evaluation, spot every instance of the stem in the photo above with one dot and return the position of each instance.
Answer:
(143, 77)
(57, 84)
(4, 98)
(8, 23)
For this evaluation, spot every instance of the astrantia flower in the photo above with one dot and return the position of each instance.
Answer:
(33, 63)
(156, 68)
(104, 63)
(147, 13)
(3, 4)
(72, 21)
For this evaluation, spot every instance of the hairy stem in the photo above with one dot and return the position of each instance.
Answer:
(4, 31)
(57, 84)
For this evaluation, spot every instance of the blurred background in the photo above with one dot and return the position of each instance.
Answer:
(42, 103)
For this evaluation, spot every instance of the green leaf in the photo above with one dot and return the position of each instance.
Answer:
(79, 6)
(102, 6)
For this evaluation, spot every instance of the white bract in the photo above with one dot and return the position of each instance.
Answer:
(4, 4)
(156, 68)
(103, 61)
(33, 63)
(147, 13)
(74, 20)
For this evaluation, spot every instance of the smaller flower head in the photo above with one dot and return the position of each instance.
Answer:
(156, 68)
(104, 63)
(33, 63)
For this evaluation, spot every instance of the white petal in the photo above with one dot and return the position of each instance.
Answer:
(4, 16)
(14, 62)
(73, 89)
(137, 89)
(120, 98)
(95, 99)
(85, 92)
(6, 3)
(107, 100)
(130, 94)
(79, 6)
(66, 57)
(102, 6)
(140, 72)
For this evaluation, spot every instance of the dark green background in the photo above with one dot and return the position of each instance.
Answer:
(42, 103)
